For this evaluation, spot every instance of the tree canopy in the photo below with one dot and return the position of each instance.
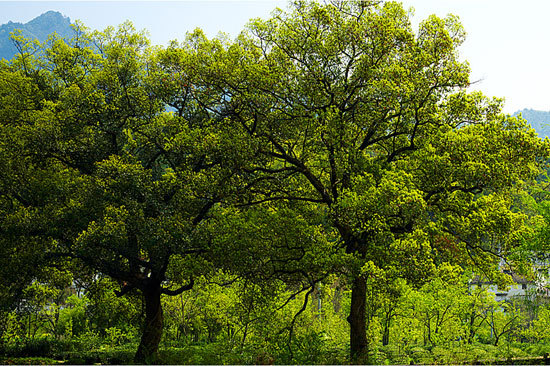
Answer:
(98, 172)
(352, 110)
(330, 138)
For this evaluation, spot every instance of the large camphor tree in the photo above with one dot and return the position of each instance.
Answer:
(103, 167)
(354, 112)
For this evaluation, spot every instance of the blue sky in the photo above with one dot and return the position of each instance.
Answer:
(165, 20)
(508, 44)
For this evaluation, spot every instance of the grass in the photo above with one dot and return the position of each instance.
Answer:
(220, 353)
(29, 361)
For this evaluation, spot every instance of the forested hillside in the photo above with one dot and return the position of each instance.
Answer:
(539, 120)
(323, 189)
(39, 28)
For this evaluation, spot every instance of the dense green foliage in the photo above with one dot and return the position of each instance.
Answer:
(323, 189)
(217, 325)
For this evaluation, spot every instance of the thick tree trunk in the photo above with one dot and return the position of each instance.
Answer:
(386, 334)
(152, 331)
(357, 321)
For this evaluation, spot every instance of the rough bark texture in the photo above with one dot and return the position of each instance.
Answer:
(386, 335)
(357, 321)
(152, 331)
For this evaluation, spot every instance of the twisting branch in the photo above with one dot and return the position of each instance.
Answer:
(300, 167)
(475, 190)
(302, 309)
(280, 198)
(187, 287)
(203, 212)
(124, 290)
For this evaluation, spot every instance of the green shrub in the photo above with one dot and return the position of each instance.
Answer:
(209, 354)
(420, 355)
(105, 357)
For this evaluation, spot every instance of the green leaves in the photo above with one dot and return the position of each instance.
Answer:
(331, 138)
(104, 173)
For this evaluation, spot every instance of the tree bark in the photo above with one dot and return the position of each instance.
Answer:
(386, 334)
(357, 321)
(472, 331)
(147, 351)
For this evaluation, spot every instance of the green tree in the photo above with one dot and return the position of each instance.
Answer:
(276, 249)
(474, 313)
(539, 331)
(95, 170)
(503, 319)
(352, 111)
(438, 306)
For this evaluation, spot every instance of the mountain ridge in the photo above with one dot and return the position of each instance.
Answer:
(38, 28)
(539, 120)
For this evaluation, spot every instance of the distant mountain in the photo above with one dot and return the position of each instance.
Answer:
(539, 120)
(38, 28)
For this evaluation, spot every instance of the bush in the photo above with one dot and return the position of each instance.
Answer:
(38, 347)
(30, 347)
(420, 355)
(203, 354)
(110, 357)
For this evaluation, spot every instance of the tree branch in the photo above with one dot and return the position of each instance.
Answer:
(187, 287)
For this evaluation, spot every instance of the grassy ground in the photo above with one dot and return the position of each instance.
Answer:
(29, 361)
(218, 353)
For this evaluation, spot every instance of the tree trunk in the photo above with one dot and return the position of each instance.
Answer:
(357, 321)
(152, 331)
(386, 334)
(472, 331)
